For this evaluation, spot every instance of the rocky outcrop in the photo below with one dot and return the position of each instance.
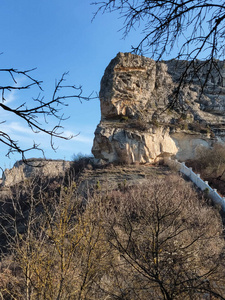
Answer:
(33, 168)
(127, 145)
(136, 124)
(134, 86)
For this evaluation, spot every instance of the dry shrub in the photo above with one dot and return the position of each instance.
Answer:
(11, 284)
(154, 241)
(210, 161)
(62, 253)
(167, 245)
(140, 125)
(172, 164)
(80, 162)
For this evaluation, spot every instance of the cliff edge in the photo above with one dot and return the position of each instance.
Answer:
(136, 124)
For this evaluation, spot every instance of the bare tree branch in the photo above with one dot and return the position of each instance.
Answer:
(37, 112)
(193, 29)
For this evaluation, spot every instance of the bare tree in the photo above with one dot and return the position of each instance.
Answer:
(37, 111)
(157, 241)
(167, 244)
(194, 30)
(57, 247)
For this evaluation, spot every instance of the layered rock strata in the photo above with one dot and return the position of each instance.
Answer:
(33, 168)
(136, 124)
(128, 145)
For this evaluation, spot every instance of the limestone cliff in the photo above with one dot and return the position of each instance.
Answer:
(127, 145)
(136, 125)
(33, 168)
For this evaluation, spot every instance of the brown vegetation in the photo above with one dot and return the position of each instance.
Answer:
(155, 241)
(210, 163)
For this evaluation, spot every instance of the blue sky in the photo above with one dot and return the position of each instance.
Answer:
(57, 36)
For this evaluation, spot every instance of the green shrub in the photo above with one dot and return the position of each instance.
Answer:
(124, 118)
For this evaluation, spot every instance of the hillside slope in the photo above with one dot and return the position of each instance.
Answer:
(116, 232)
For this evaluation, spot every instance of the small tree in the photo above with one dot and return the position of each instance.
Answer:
(61, 253)
(168, 247)
(210, 162)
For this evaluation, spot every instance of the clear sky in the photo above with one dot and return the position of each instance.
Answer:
(56, 36)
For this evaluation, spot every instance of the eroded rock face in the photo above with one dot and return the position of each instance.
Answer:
(130, 145)
(33, 168)
(131, 84)
(136, 125)
(188, 144)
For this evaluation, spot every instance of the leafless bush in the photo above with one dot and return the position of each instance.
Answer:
(61, 251)
(80, 162)
(138, 124)
(155, 241)
(167, 246)
(210, 161)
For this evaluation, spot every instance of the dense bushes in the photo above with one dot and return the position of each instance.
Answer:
(80, 162)
(211, 160)
(210, 163)
(157, 241)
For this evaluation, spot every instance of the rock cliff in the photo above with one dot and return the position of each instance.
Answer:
(33, 168)
(136, 124)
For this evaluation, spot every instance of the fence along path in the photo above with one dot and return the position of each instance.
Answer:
(195, 178)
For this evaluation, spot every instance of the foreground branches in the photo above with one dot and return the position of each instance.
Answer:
(191, 30)
(37, 112)
(199, 23)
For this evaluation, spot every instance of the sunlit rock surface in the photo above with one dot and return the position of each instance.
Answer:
(129, 145)
(33, 168)
(136, 124)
